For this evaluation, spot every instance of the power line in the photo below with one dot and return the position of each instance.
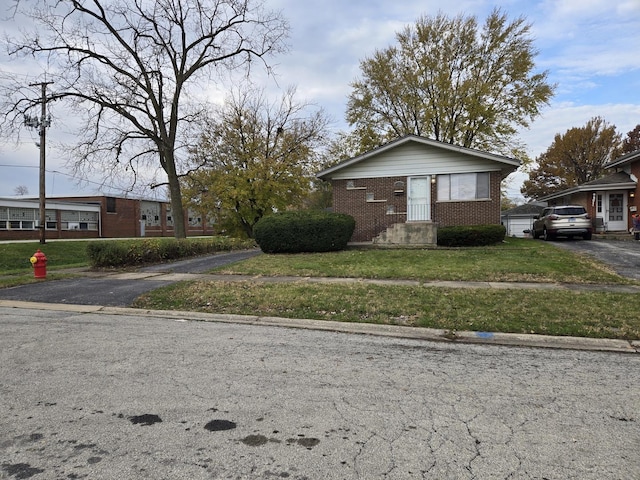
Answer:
(83, 180)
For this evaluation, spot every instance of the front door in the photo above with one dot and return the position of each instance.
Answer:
(615, 215)
(419, 199)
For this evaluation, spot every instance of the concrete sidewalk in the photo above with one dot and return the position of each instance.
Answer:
(171, 277)
(110, 293)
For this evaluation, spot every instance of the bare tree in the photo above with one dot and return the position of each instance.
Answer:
(21, 190)
(137, 72)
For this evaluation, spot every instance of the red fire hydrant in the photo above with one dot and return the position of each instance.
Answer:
(39, 262)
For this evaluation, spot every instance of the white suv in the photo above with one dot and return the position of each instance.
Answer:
(567, 220)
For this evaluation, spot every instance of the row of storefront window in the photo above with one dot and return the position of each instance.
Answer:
(12, 218)
(32, 225)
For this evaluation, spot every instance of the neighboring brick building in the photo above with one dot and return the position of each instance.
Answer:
(418, 180)
(611, 200)
(93, 217)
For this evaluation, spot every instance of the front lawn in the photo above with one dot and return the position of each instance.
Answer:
(558, 312)
(551, 312)
(516, 260)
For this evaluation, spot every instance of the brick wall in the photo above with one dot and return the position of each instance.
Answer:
(125, 221)
(372, 216)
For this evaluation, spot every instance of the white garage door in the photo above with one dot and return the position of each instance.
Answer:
(516, 226)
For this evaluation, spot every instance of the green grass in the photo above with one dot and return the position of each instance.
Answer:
(516, 260)
(14, 257)
(15, 268)
(559, 312)
(551, 312)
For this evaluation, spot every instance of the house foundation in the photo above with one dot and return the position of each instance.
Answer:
(412, 233)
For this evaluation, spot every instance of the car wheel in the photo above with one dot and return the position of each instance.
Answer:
(534, 234)
(546, 235)
(587, 236)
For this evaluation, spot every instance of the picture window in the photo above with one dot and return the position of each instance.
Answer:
(463, 187)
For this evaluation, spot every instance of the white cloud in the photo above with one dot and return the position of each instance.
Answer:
(559, 118)
(587, 46)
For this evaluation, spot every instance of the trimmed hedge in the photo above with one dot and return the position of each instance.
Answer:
(304, 231)
(122, 253)
(471, 236)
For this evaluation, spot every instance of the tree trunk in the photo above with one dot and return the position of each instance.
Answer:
(177, 210)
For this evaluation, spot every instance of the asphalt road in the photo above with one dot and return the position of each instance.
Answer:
(622, 256)
(105, 396)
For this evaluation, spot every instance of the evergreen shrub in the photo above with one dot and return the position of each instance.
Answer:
(471, 236)
(123, 253)
(304, 231)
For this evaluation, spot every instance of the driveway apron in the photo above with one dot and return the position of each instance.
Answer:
(621, 256)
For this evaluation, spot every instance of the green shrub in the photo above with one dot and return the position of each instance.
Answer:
(305, 231)
(471, 236)
(121, 253)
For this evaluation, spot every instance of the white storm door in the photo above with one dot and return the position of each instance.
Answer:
(616, 219)
(419, 199)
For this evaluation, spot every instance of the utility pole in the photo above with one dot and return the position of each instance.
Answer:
(41, 124)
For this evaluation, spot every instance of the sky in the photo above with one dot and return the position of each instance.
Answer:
(589, 48)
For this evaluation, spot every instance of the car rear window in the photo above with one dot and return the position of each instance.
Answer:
(570, 211)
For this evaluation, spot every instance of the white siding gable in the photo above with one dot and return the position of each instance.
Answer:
(412, 159)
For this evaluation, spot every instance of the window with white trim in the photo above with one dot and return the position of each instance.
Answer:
(4, 218)
(150, 213)
(51, 221)
(78, 220)
(19, 218)
(463, 187)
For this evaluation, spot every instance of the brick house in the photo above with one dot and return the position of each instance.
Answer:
(93, 217)
(612, 200)
(400, 191)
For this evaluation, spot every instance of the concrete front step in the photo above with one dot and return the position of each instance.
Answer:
(413, 233)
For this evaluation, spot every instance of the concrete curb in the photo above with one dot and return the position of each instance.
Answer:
(397, 331)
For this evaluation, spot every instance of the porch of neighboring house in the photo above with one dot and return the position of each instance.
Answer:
(610, 211)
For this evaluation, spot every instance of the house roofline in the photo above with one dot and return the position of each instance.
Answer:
(97, 197)
(623, 160)
(423, 140)
(589, 188)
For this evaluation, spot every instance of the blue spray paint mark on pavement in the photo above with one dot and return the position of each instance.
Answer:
(484, 334)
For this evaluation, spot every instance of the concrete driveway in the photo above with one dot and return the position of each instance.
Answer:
(622, 256)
